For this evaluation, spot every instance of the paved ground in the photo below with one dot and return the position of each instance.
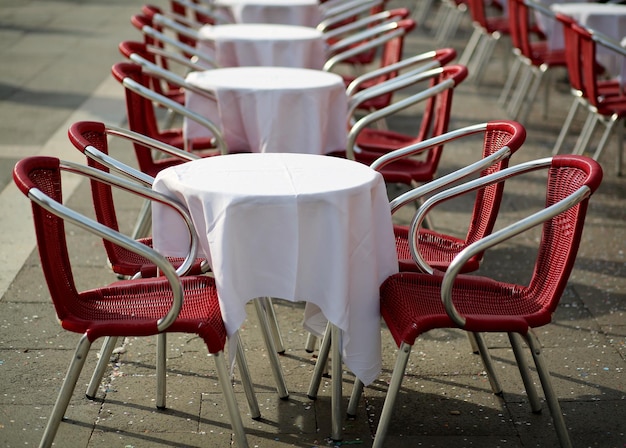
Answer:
(56, 57)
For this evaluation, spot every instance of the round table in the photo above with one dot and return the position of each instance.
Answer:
(300, 227)
(272, 109)
(263, 45)
(286, 12)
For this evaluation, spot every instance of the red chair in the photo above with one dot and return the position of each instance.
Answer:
(534, 59)
(604, 99)
(142, 118)
(169, 83)
(339, 24)
(488, 29)
(366, 144)
(390, 37)
(87, 136)
(193, 9)
(501, 139)
(141, 307)
(414, 303)
(153, 29)
(437, 250)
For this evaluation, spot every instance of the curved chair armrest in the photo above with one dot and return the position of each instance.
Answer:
(428, 60)
(607, 42)
(462, 189)
(422, 146)
(102, 231)
(540, 7)
(386, 87)
(179, 109)
(176, 26)
(204, 9)
(148, 143)
(378, 35)
(333, 9)
(352, 25)
(504, 234)
(169, 76)
(151, 32)
(144, 192)
(190, 64)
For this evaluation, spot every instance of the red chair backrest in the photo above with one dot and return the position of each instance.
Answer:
(141, 114)
(436, 116)
(91, 133)
(561, 235)
(44, 174)
(488, 200)
(590, 68)
(519, 24)
(392, 52)
(573, 55)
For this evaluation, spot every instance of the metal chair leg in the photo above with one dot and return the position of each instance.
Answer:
(522, 365)
(320, 365)
(96, 377)
(392, 394)
(483, 350)
(605, 136)
(65, 394)
(246, 379)
(337, 383)
(546, 384)
(161, 361)
(510, 80)
(311, 339)
(281, 386)
(566, 125)
(353, 404)
(231, 403)
(275, 329)
(532, 94)
(483, 60)
(471, 46)
(585, 136)
(144, 221)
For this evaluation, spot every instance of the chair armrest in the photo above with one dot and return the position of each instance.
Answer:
(335, 8)
(169, 76)
(506, 233)
(104, 232)
(176, 26)
(149, 144)
(179, 109)
(204, 9)
(428, 61)
(462, 189)
(377, 36)
(187, 49)
(386, 87)
(331, 19)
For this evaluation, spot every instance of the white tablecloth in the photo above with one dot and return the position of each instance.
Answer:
(264, 45)
(286, 12)
(607, 18)
(294, 226)
(272, 109)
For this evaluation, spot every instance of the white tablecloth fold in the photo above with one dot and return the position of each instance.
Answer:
(293, 226)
